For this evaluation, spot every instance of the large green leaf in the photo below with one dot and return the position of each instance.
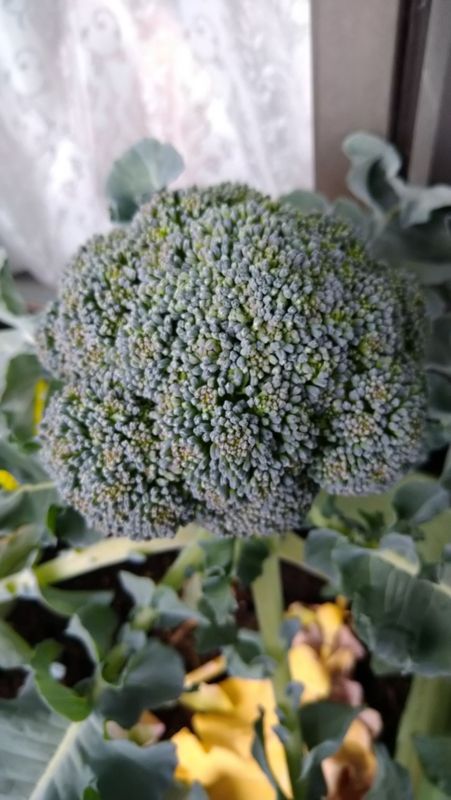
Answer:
(392, 781)
(434, 753)
(401, 616)
(152, 677)
(143, 170)
(45, 757)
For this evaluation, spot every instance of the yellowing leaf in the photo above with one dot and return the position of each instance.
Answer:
(307, 668)
(40, 395)
(226, 724)
(350, 772)
(206, 672)
(223, 773)
(8, 482)
(209, 697)
(330, 618)
(305, 615)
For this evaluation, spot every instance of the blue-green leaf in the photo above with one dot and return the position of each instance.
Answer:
(143, 170)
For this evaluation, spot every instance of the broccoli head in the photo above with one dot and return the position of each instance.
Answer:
(222, 358)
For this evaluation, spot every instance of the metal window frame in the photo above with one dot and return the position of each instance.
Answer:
(430, 160)
(354, 49)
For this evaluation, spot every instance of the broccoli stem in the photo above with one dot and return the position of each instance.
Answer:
(269, 607)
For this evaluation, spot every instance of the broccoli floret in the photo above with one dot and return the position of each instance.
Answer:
(224, 357)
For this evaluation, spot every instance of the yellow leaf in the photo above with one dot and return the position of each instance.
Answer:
(248, 696)
(307, 668)
(8, 482)
(330, 618)
(208, 697)
(207, 672)
(306, 616)
(350, 772)
(40, 395)
(224, 774)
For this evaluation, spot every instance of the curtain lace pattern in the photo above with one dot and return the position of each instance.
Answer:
(227, 82)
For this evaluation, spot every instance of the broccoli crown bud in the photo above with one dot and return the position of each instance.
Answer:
(224, 356)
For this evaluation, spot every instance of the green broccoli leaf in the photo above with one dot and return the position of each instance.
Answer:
(308, 202)
(44, 756)
(12, 305)
(62, 699)
(152, 677)
(14, 651)
(10, 299)
(434, 753)
(418, 501)
(392, 781)
(18, 400)
(143, 170)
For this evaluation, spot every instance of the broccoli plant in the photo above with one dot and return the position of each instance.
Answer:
(224, 357)
(229, 358)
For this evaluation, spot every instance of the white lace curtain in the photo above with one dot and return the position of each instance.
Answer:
(227, 82)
